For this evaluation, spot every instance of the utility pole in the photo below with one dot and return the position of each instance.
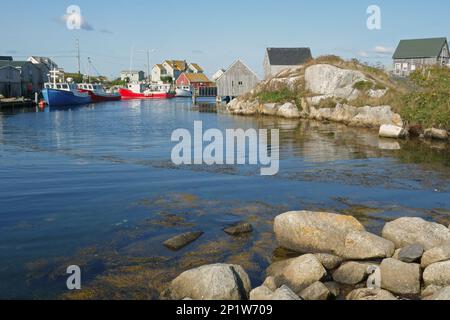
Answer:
(78, 56)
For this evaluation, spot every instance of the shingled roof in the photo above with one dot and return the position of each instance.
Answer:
(288, 56)
(420, 48)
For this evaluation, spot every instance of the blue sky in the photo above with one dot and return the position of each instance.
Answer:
(212, 33)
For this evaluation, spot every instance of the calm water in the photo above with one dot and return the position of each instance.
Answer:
(94, 186)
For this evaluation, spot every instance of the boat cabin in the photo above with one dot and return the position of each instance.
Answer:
(61, 86)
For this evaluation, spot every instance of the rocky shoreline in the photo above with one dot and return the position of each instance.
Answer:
(339, 87)
(337, 259)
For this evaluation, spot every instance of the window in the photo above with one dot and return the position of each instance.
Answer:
(58, 86)
(405, 67)
(241, 83)
(64, 86)
(398, 66)
(413, 67)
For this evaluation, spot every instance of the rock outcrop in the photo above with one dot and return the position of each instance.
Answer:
(212, 282)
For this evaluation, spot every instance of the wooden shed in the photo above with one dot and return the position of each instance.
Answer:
(10, 83)
(237, 80)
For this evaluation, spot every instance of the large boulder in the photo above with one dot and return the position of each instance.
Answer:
(362, 245)
(298, 273)
(242, 107)
(437, 274)
(352, 273)
(370, 294)
(400, 277)
(407, 231)
(288, 110)
(321, 232)
(261, 293)
(315, 292)
(269, 109)
(264, 294)
(441, 295)
(329, 261)
(411, 253)
(325, 79)
(434, 255)
(316, 232)
(285, 293)
(212, 282)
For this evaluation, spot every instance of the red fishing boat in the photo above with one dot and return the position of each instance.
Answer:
(142, 91)
(98, 92)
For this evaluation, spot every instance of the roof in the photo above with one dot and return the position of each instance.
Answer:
(160, 66)
(177, 64)
(420, 48)
(196, 66)
(6, 58)
(17, 64)
(288, 56)
(196, 77)
(232, 66)
(132, 71)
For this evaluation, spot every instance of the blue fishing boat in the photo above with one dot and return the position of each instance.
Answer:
(64, 94)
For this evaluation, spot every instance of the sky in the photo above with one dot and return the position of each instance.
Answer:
(213, 33)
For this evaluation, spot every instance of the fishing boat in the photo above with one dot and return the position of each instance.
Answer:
(143, 91)
(64, 94)
(98, 92)
(183, 91)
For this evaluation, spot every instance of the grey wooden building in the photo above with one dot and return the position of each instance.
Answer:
(30, 76)
(279, 59)
(10, 83)
(416, 53)
(237, 80)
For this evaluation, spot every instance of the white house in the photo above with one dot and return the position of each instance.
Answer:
(158, 72)
(194, 68)
(174, 68)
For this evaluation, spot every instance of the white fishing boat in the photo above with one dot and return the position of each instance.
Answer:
(183, 91)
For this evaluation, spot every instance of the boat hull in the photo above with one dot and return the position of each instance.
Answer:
(183, 93)
(61, 98)
(98, 97)
(129, 95)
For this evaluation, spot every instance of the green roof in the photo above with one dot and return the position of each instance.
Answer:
(420, 48)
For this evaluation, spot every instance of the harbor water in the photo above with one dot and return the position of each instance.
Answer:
(95, 186)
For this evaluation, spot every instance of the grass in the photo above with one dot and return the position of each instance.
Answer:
(282, 95)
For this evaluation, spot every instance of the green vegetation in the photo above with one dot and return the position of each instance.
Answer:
(430, 104)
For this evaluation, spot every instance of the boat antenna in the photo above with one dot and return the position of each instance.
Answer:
(89, 70)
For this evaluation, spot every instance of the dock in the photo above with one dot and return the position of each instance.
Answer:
(204, 95)
(16, 102)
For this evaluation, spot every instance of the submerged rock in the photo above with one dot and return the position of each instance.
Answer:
(212, 282)
(182, 240)
(400, 277)
(315, 232)
(434, 255)
(407, 231)
(437, 274)
(239, 229)
(298, 273)
(370, 294)
(315, 292)
(411, 253)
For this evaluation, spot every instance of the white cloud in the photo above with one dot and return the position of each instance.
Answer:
(383, 50)
(363, 54)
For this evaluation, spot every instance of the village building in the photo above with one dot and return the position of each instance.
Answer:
(195, 80)
(194, 68)
(30, 76)
(6, 58)
(175, 68)
(237, 80)
(10, 83)
(132, 76)
(45, 65)
(218, 74)
(279, 59)
(159, 73)
(416, 53)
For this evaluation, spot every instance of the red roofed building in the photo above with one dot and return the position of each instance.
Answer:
(195, 80)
